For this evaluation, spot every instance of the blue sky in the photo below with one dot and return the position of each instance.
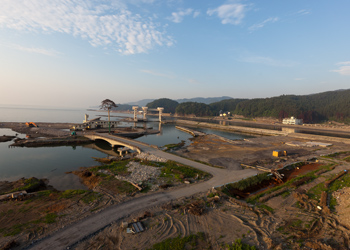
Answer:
(75, 53)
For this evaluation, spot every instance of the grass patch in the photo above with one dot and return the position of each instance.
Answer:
(179, 243)
(67, 194)
(50, 218)
(180, 172)
(174, 145)
(44, 193)
(239, 245)
(118, 186)
(90, 197)
(29, 185)
(315, 192)
(266, 207)
(254, 199)
(337, 154)
(116, 168)
(248, 182)
(14, 230)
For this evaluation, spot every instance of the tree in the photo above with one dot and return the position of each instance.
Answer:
(168, 105)
(107, 105)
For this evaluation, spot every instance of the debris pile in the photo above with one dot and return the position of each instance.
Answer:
(150, 157)
(195, 208)
(139, 173)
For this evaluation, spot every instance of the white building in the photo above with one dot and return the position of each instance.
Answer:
(292, 121)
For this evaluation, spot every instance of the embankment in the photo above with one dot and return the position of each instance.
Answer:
(255, 131)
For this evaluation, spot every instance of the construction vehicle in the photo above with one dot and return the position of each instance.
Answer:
(31, 124)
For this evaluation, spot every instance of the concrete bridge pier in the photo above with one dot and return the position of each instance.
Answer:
(135, 108)
(160, 113)
(144, 113)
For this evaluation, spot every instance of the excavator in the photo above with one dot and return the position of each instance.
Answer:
(31, 124)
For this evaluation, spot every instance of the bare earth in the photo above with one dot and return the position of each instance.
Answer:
(295, 223)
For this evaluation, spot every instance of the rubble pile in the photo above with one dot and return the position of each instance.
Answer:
(139, 173)
(150, 157)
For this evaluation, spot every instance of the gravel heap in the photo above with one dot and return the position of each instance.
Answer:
(150, 157)
(139, 173)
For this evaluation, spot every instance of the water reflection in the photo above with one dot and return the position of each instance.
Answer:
(45, 162)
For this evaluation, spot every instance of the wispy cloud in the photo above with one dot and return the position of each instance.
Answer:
(303, 12)
(267, 61)
(101, 24)
(177, 17)
(42, 51)
(232, 12)
(263, 23)
(343, 70)
(154, 73)
(196, 13)
(299, 79)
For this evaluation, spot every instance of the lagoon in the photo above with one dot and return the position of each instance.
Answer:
(52, 163)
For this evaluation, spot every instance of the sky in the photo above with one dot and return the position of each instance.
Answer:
(76, 53)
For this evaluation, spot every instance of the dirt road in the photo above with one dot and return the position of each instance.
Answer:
(70, 235)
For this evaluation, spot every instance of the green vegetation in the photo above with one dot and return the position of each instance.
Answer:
(340, 155)
(248, 182)
(239, 245)
(50, 218)
(310, 108)
(116, 168)
(67, 194)
(29, 185)
(174, 145)
(266, 207)
(168, 105)
(193, 108)
(44, 193)
(315, 192)
(178, 243)
(91, 196)
(254, 199)
(180, 172)
(14, 230)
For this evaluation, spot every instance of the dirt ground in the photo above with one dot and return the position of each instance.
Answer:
(290, 221)
(253, 151)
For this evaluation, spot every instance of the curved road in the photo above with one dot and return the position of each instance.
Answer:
(72, 234)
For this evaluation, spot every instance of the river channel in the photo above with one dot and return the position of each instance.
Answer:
(52, 163)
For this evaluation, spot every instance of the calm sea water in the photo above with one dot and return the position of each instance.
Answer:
(53, 162)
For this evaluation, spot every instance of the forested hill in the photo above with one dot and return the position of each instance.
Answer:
(332, 105)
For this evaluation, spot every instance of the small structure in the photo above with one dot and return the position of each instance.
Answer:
(93, 124)
(278, 153)
(135, 227)
(292, 121)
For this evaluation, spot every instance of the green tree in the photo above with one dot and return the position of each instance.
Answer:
(168, 105)
(108, 105)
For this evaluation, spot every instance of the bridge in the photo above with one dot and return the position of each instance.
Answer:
(114, 140)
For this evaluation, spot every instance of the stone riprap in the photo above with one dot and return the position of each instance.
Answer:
(150, 157)
(139, 173)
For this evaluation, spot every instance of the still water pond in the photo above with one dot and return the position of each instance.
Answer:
(45, 162)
